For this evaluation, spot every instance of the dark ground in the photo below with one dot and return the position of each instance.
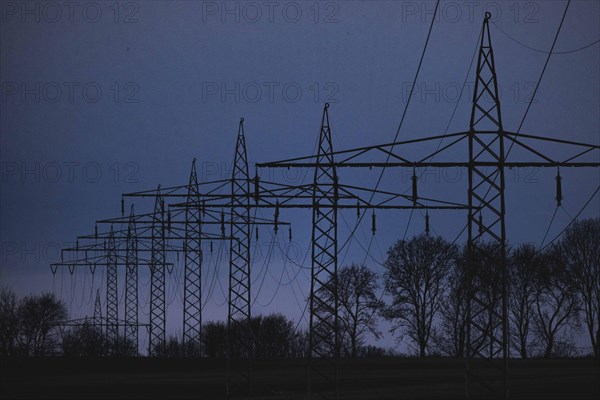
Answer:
(376, 378)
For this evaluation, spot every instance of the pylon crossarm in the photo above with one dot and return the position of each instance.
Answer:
(352, 153)
(548, 139)
(173, 190)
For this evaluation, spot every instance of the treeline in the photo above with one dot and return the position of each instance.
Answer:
(43, 332)
(554, 294)
(29, 326)
(554, 298)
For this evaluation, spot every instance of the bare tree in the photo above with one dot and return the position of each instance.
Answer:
(556, 300)
(580, 247)
(9, 321)
(451, 335)
(416, 279)
(85, 340)
(359, 306)
(523, 266)
(39, 316)
(213, 339)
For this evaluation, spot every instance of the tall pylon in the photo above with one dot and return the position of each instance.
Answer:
(131, 285)
(239, 244)
(157, 278)
(238, 314)
(192, 290)
(112, 299)
(487, 318)
(97, 320)
(324, 326)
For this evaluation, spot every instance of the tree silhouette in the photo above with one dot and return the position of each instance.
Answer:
(9, 321)
(39, 316)
(580, 247)
(85, 340)
(358, 305)
(450, 337)
(525, 262)
(556, 300)
(416, 279)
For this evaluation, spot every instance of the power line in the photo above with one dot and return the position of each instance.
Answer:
(544, 51)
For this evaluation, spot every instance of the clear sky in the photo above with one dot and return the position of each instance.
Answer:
(100, 98)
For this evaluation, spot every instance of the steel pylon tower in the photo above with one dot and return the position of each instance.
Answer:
(239, 252)
(239, 245)
(324, 329)
(112, 300)
(487, 319)
(192, 291)
(97, 320)
(157, 278)
(131, 284)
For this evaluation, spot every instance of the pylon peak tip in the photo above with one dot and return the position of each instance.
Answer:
(242, 119)
(488, 15)
(326, 106)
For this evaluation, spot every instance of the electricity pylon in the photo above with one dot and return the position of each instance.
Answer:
(192, 291)
(157, 279)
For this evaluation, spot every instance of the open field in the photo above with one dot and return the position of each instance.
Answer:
(376, 378)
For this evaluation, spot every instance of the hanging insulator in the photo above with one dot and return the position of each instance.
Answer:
(77, 245)
(335, 187)
(290, 234)
(239, 247)
(480, 223)
(122, 206)
(559, 196)
(414, 188)
(373, 223)
(222, 223)
(86, 255)
(105, 245)
(276, 228)
(211, 247)
(427, 223)
(203, 208)
(169, 220)
(256, 233)
(96, 232)
(357, 209)
(256, 188)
